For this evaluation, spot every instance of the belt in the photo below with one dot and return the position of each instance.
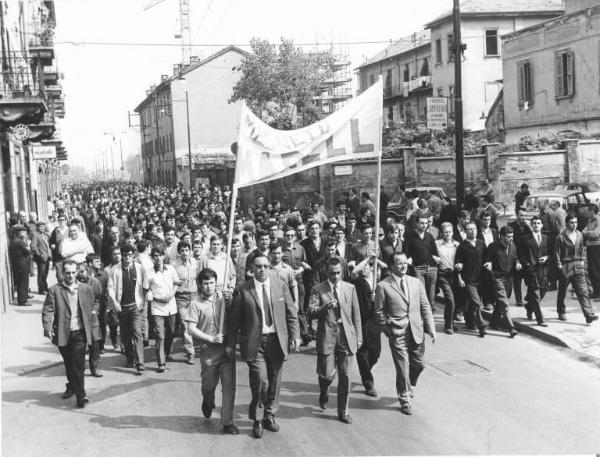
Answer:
(572, 260)
(445, 270)
(128, 305)
(269, 334)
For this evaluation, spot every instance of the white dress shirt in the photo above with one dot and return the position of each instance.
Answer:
(259, 293)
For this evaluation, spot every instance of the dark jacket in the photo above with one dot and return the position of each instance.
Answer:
(472, 259)
(20, 255)
(246, 317)
(56, 313)
(504, 258)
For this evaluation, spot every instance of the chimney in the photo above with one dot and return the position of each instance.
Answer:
(194, 59)
(163, 78)
(177, 68)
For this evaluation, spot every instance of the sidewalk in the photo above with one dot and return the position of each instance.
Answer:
(574, 334)
(25, 350)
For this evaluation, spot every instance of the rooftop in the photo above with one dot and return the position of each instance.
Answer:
(402, 45)
(476, 8)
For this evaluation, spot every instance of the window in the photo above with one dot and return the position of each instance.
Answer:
(406, 73)
(388, 83)
(525, 84)
(440, 92)
(491, 42)
(371, 79)
(425, 68)
(390, 114)
(438, 51)
(450, 47)
(564, 74)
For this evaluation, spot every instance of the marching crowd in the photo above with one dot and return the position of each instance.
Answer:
(139, 263)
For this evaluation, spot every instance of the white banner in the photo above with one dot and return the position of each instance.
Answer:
(43, 152)
(437, 113)
(353, 132)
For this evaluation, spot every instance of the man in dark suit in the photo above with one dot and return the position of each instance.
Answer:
(533, 255)
(339, 334)
(40, 251)
(500, 261)
(263, 311)
(469, 262)
(522, 231)
(67, 321)
(404, 314)
(20, 262)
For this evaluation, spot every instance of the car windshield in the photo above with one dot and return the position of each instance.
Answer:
(534, 203)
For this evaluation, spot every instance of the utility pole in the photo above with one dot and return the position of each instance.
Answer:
(187, 116)
(121, 148)
(458, 111)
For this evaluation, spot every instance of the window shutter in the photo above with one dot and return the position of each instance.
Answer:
(558, 78)
(570, 74)
(529, 76)
(520, 83)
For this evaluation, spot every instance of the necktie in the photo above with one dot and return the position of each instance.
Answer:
(267, 306)
(403, 286)
(337, 299)
(538, 238)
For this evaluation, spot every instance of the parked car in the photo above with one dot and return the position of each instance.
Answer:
(573, 202)
(394, 207)
(590, 189)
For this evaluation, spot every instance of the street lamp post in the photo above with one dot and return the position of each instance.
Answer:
(187, 115)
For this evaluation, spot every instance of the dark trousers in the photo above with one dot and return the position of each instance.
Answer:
(368, 354)
(21, 278)
(593, 258)
(428, 276)
(58, 265)
(73, 354)
(265, 376)
(408, 361)
(94, 356)
(308, 285)
(102, 321)
(501, 314)
(473, 307)
(130, 321)
(164, 332)
(339, 360)
(43, 267)
(573, 272)
(447, 284)
(215, 366)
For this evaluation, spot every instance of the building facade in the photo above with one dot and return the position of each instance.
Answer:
(552, 75)
(31, 101)
(483, 23)
(405, 69)
(196, 94)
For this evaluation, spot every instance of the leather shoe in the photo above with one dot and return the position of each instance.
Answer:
(161, 369)
(449, 331)
(97, 374)
(406, 409)
(81, 401)
(562, 317)
(129, 364)
(370, 391)
(529, 315)
(346, 419)
(482, 332)
(591, 318)
(323, 399)
(231, 429)
(206, 409)
(257, 429)
(513, 333)
(542, 324)
(270, 424)
(68, 393)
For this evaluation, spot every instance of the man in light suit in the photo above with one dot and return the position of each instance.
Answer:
(67, 321)
(264, 313)
(40, 251)
(404, 314)
(126, 299)
(339, 334)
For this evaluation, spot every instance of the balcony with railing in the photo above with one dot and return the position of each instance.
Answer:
(21, 102)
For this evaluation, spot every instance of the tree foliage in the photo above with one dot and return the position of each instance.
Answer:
(279, 83)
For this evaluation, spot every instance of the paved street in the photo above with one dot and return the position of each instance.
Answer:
(490, 396)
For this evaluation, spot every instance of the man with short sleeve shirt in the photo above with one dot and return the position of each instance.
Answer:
(202, 320)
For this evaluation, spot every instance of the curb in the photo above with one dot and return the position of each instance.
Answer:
(40, 368)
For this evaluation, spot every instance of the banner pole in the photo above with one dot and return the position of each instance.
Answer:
(234, 194)
(378, 190)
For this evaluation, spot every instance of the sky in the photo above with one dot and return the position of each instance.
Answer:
(102, 83)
